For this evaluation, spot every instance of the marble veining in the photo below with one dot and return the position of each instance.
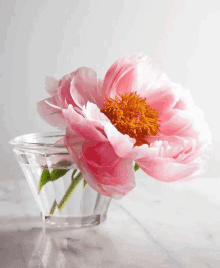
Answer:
(153, 226)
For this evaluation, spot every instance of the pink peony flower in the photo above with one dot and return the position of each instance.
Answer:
(135, 114)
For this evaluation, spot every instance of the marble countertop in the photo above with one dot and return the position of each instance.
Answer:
(153, 226)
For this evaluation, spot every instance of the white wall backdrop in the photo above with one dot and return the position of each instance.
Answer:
(39, 38)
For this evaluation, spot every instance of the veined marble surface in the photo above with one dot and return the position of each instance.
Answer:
(155, 226)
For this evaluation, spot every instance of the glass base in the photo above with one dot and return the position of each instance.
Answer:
(73, 222)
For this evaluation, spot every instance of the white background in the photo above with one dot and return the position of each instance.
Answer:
(39, 38)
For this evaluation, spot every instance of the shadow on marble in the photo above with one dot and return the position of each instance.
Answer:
(37, 248)
(155, 227)
(88, 247)
(118, 242)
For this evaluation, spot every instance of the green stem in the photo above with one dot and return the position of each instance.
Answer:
(69, 191)
(53, 207)
(85, 184)
(74, 172)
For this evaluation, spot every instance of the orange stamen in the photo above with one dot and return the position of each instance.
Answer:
(133, 116)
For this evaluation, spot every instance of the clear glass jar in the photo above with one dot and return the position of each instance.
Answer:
(63, 196)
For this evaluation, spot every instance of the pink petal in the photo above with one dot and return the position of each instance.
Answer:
(121, 76)
(101, 153)
(184, 124)
(64, 90)
(161, 99)
(165, 169)
(149, 77)
(92, 112)
(99, 156)
(84, 87)
(122, 177)
(116, 191)
(159, 148)
(91, 179)
(103, 170)
(50, 114)
(203, 167)
(74, 143)
(178, 122)
(122, 143)
(51, 85)
(186, 101)
(177, 159)
(101, 93)
(84, 127)
(119, 192)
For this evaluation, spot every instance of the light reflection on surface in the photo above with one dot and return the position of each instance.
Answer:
(168, 229)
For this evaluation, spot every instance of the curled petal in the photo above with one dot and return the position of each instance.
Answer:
(180, 120)
(149, 77)
(52, 114)
(84, 127)
(110, 185)
(186, 102)
(184, 124)
(64, 91)
(103, 170)
(122, 143)
(177, 159)
(121, 76)
(51, 85)
(85, 87)
(162, 99)
(166, 170)
(92, 112)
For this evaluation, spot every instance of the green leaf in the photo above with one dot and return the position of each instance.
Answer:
(64, 163)
(57, 173)
(85, 183)
(45, 177)
(136, 167)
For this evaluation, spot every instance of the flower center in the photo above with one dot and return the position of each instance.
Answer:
(133, 116)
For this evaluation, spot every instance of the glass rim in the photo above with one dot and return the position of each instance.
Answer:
(26, 140)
